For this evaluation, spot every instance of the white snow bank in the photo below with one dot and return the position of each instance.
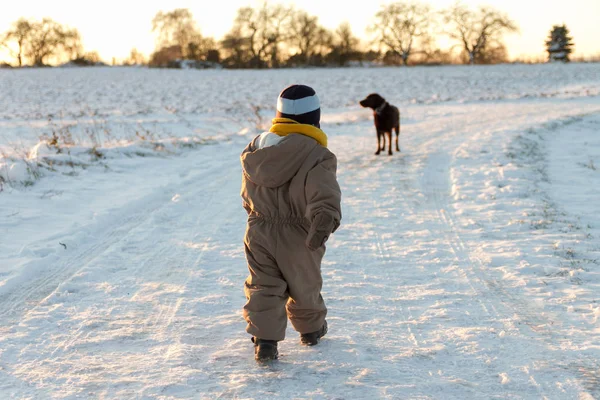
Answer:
(574, 169)
(46, 158)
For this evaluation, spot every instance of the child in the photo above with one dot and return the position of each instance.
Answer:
(291, 194)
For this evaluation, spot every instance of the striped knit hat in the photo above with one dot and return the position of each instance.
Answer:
(300, 103)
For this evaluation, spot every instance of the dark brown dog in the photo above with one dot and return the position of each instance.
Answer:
(387, 117)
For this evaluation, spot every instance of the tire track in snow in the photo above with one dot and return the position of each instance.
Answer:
(127, 219)
(169, 265)
(367, 248)
(473, 269)
(385, 254)
(39, 289)
(214, 229)
(436, 188)
(180, 269)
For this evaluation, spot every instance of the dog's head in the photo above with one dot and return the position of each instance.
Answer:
(372, 101)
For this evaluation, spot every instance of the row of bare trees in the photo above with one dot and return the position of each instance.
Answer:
(275, 35)
(407, 29)
(269, 36)
(178, 37)
(41, 42)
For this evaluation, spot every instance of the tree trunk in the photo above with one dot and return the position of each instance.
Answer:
(20, 55)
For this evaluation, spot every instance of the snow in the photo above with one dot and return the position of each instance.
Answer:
(465, 267)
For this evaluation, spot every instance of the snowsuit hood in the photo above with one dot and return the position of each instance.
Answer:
(273, 166)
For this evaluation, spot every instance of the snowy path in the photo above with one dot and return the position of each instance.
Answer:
(433, 290)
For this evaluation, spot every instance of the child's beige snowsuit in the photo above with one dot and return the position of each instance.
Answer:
(293, 200)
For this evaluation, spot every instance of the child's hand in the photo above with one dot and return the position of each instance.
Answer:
(317, 240)
(320, 229)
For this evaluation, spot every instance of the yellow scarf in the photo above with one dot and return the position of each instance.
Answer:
(285, 126)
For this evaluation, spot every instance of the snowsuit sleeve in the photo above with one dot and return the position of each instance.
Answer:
(249, 148)
(323, 202)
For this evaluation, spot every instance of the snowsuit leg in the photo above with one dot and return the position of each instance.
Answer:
(265, 288)
(285, 280)
(301, 269)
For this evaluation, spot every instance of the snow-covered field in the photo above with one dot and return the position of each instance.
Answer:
(465, 267)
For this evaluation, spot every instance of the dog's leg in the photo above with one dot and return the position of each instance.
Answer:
(378, 143)
(397, 129)
(389, 136)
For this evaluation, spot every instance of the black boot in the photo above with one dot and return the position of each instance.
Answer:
(310, 339)
(265, 350)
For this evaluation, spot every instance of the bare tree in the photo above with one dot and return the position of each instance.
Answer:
(311, 41)
(279, 18)
(178, 28)
(41, 41)
(135, 58)
(261, 31)
(175, 27)
(199, 47)
(324, 42)
(306, 32)
(48, 38)
(346, 39)
(165, 55)
(73, 46)
(18, 34)
(400, 24)
(477, 32)
(246, 29)
(235, 48)
(344, 44)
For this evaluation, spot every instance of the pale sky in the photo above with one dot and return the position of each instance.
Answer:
(114, 27)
